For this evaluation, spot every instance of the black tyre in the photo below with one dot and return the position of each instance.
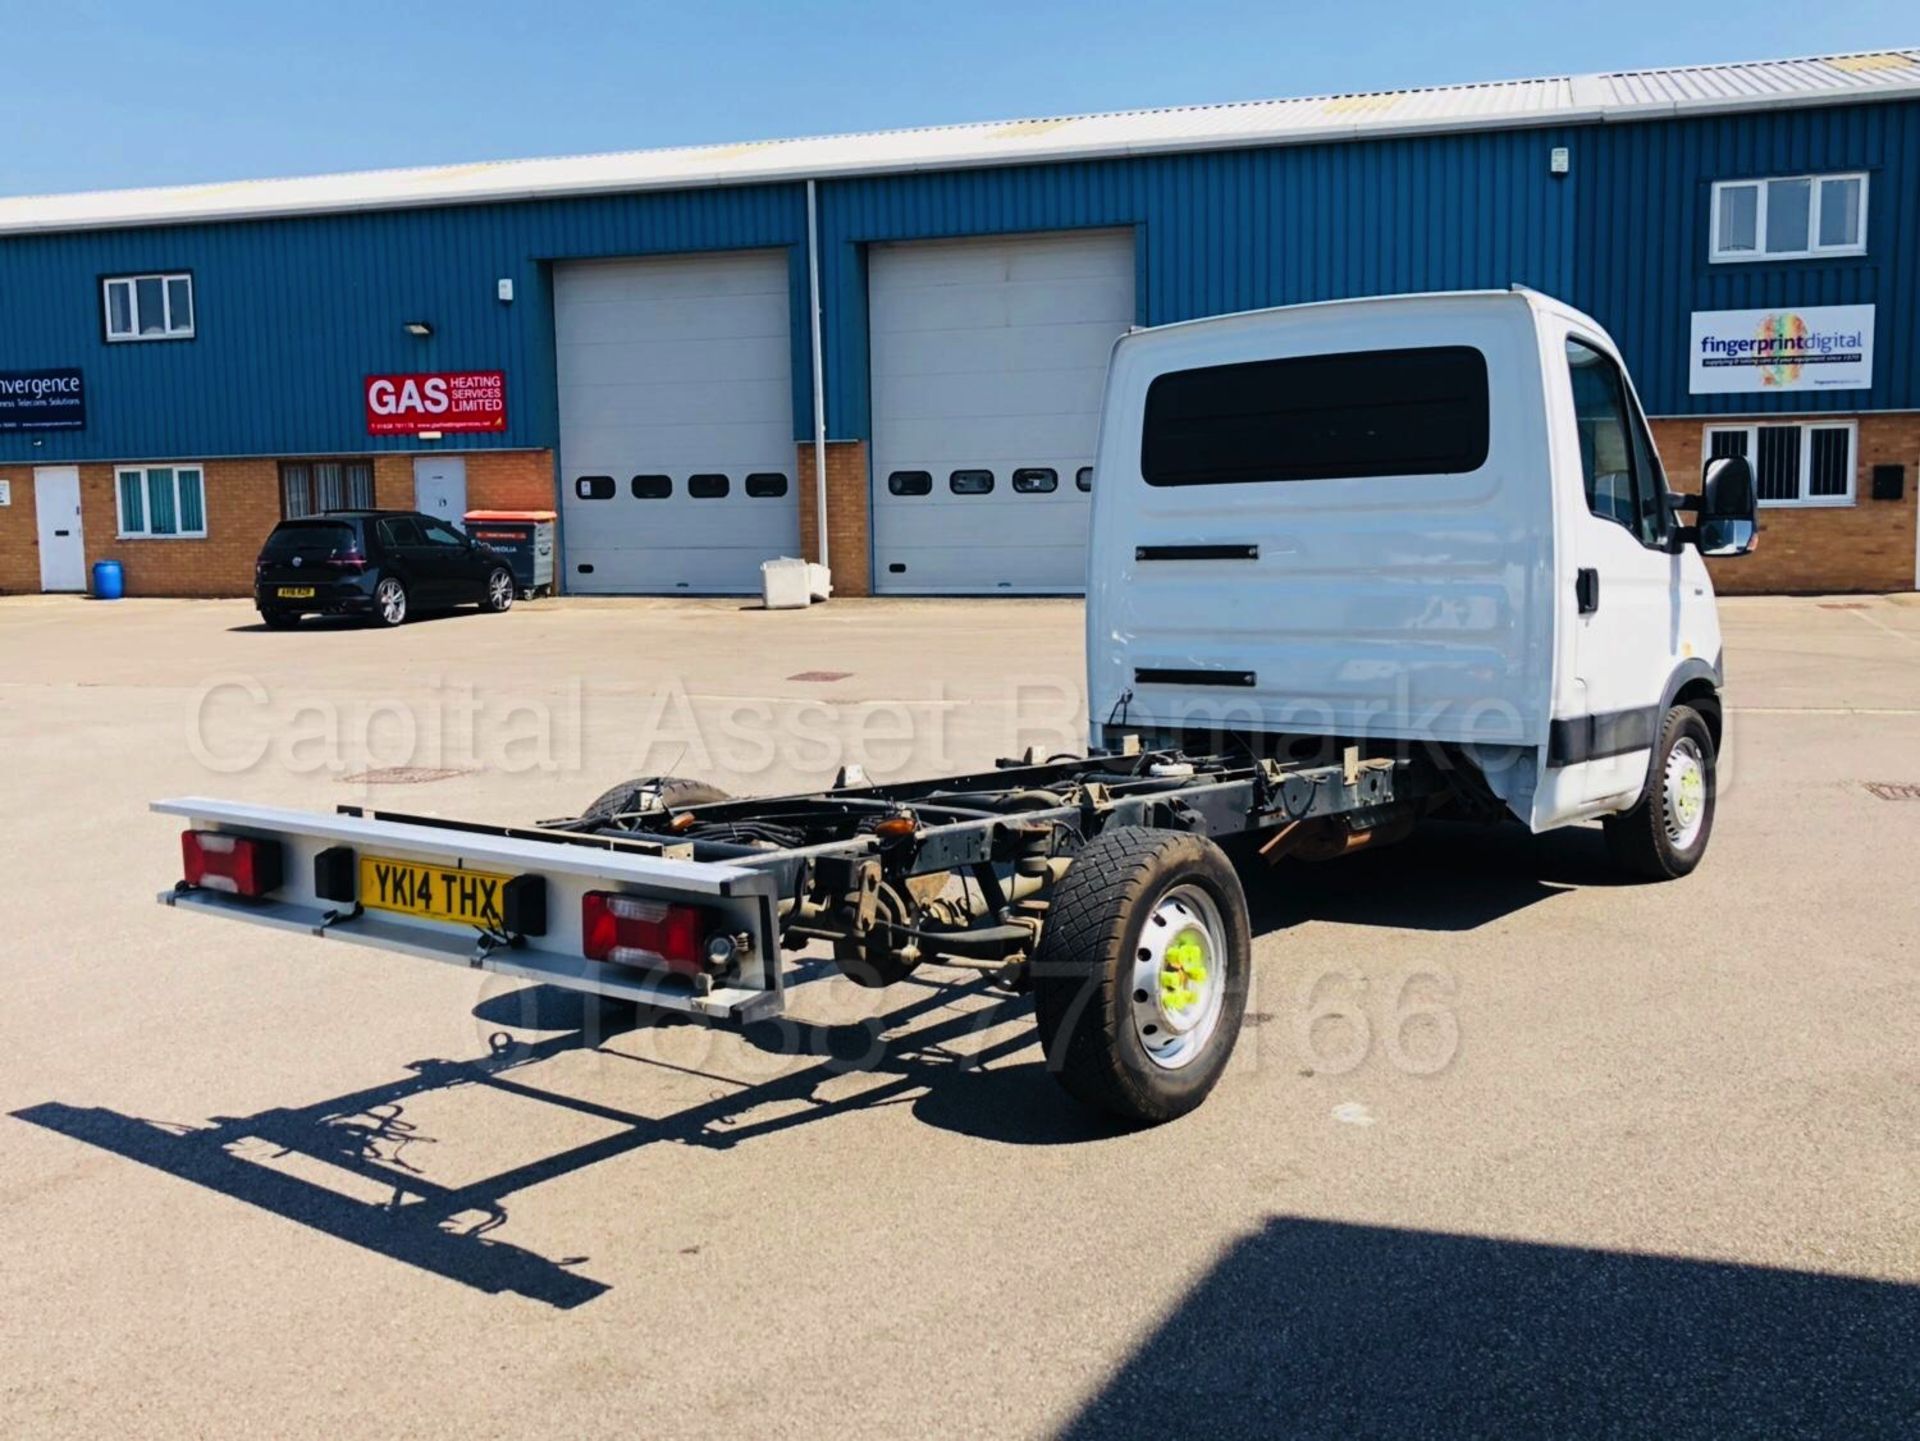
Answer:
(646, 794)
(279, 619)
(390, 602)
(500, 591)
(1664, 836)
(1140, 982)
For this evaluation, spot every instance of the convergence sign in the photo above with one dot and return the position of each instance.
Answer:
(463, 400)
(42, 400)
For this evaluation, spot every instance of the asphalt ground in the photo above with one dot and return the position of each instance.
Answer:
(1507, 1147)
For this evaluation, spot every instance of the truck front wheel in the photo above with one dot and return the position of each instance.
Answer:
(1140, 979)
(1664, 836)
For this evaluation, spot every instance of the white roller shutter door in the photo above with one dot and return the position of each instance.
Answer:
(988, 361)
(676, 422)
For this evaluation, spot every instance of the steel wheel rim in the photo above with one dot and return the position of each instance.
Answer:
(500, 589)
(392, 597)
(1179, 981)
(1684, 791)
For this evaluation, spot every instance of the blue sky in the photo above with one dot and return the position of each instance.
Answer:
(105, 95)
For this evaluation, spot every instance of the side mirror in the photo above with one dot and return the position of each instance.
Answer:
(1729, 509)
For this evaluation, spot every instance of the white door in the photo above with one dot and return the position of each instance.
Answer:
(63, 547)
(1627, 585)
(988, 361)
(440, 488)
(676, 422)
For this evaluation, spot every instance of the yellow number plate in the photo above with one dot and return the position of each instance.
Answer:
(296, 592)
(431, 893)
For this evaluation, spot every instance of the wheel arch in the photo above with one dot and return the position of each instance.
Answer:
(1696, 683)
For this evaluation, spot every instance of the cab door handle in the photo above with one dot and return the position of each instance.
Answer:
(1586, 590)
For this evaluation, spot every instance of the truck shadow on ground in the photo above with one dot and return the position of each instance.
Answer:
(935, 1043)
(949, 1052)
(1447, 876)
(1316, 1328)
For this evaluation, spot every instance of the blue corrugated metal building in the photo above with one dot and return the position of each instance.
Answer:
(181, 368)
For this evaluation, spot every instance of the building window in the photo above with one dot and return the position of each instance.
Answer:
(161, 501)
(594, 487)
(910, 482)
(970, 482)
(1796, 463)
(708, 487)
(1083, 478)
(1790, 217)
(149, 307)
(651, 487)
(1036, 480)
(313, 487)
(766, 485)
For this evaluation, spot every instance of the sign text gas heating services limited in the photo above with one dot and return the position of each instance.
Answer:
(468, 400)
(1813, 347)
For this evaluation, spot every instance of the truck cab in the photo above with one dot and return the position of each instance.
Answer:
(1431, 521)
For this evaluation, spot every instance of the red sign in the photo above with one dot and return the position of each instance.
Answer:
(460, 400)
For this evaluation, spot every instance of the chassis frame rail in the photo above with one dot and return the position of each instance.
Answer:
(869, 868)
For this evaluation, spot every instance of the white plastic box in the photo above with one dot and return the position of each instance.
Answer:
(784, 584)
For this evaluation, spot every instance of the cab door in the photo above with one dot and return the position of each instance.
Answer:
(405, 551)
(459, 570)
(1624, 580)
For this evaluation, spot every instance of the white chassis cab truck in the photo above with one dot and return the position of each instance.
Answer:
(1352, 565)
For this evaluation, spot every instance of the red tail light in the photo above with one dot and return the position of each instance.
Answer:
(634, 931)
(235, 864)
(347, 560)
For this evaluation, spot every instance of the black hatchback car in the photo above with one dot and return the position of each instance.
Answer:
(385, 564)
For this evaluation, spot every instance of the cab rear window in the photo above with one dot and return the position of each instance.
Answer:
(308, 539)
(1318, 417)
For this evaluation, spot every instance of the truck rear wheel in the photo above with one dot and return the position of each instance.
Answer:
(1664, 836)
(1140, 980)
(646, 794)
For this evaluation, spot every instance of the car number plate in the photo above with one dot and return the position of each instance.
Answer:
(296, 592)
(432, 893)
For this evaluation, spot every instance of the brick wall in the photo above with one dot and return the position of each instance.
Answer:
(496, 480)
(242, 499)
(19, 540)
(1866, 546)
(848, 507)
(242, 502)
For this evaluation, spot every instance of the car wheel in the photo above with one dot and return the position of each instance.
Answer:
(1664, 836)
(390, 602)
(279, 619)
(500, 591)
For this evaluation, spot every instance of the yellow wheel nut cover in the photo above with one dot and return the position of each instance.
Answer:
(1186, 961)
